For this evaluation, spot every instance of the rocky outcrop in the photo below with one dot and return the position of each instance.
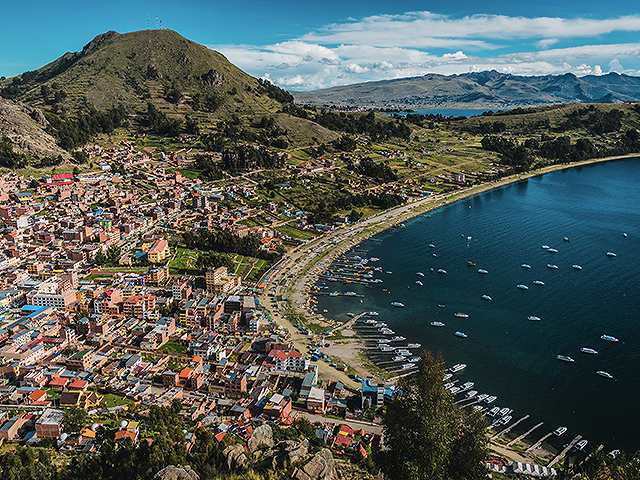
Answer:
(173, 472)
(321, 466)
(262, 438)
(289, 452)
(236, 456)
(212, 78)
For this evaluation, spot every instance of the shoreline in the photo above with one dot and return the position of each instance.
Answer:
(297, 272)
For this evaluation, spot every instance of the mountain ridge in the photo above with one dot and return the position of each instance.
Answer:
(487, 88)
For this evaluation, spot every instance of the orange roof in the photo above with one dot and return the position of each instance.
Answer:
(196, 359)
(58, 381)
(185, 372)
(158, 246)
(77, 384)
(123, 434)
(37, 395)
(220, 436)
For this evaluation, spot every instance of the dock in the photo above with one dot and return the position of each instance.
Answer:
(525, 434)
(564, 451)
(539, 442)
(510, 427)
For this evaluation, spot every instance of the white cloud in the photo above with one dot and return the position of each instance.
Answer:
(416, 43)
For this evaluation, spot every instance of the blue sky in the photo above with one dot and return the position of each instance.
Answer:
(302, 45)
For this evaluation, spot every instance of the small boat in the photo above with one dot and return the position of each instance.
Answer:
(431, 245)
(552, 250)
(461, 315)
(560, 431)
(420, 274)
(442, 271)
(491, 399)
(460, 334)
(522, 287)
(566, 239)
(458, 367)
(482, 271)
(533, 318)
(625, 235)
(611, 254)
(414, 345)
(546, 247)
(494, 411)
(505, 411)
(581, 444)
(588, 350)
(478, 408)
(576, 267)
(482, 397)
(437, 324)
(526, 266)
(506, 419)
(487, 298)
(419, 283)
(604, 374)
(472, 393)
(538, 282)
(471, 263)
(397, 304)
(446, 377)
(434, 254)
(552, 266)
(441, 305)
(564, 358)
(454, 390)
(609, 338)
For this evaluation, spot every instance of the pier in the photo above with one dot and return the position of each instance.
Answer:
(539, 442)
(510, 427)
(564, 451)
(525, 434)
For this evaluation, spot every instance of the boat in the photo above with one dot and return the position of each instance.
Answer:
(552, 250)
(522, 287)
(481, 397)
(491, 399)
(431, 245)
(420, 274)
(471, 263)
(566, 239)
(397, 304)
(441, 305)
(611, 254)
(625, 235)
(454, 390)
(442, 271)
(588, 350)
(398, 338)
(483, 271)
(581, 444)
(414, 345)
(609, 338)
(437, 324)
(487, 298)
(552, 266)
(472, 393)
(538, 282)
(398, 358)
(604, 374)
(460, 334)
(494, 411)
(565, 358)
(506, 419)
(374, 259)
(545, 247)
(419, 283)
(446, 377)
(576, 267)
(449, 385)
(478, 408)
(526, 266)
(560, 431)
(461, 315)
(533, 318)
(505, 411)
(458, 367)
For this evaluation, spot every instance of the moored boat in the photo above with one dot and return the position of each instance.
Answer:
(460, 334)
(483, 271)
(565, 358)
(397, 304)
(461, 315)
(526, 266)
(533, 318)
(609, 338)
(611, 254)
(560, 431)
(437, 324)
(487, 298)
(604, 374)
(552, 266)
(522, 287)
(588, 350)
(576, 267)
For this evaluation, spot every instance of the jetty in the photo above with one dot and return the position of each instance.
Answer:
(510, 427)
(535, 427)
(539, 442)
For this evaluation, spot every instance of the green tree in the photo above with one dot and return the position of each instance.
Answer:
(75, 419)
(427, 436)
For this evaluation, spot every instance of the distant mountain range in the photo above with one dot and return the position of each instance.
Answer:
(482, 89)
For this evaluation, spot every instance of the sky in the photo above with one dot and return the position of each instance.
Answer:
(305, 44)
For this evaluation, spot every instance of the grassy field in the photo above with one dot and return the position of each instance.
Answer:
(173, 346)
(249, 268)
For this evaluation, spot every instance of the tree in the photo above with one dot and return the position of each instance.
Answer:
(191, 125)
(427, 436)
(75, 419)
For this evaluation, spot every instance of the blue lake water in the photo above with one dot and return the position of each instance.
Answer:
(448, 112)
(507, 355)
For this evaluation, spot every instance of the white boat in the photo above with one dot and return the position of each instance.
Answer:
(440, 305)
(588, 350)
(414, 345)
(487, 298)
(398, 358)
(419, 283)
(576, 267)
(442, 271)
(566, 239)
(552, 266)
(460, 334)
(552, 250)
(560, 431)
(545, 247)
(526, 266)
(505, 411)
(538, 282)
(609, 338)
(478, 408)
(437, 324)
(461, 315)
(491, 399)
(472, 393)
(565, 358)
(522, 287)
(611, 254)
(533, 318)
(494, 411)
(397, 304)
(506, 419)
(625, 235)
(454, 390)
(604, 374)
(398, 338)
(449, 385)
(420, 274)
(431, 245)
(458, 367)
(482, 271)
(581, 444)
(446, 377)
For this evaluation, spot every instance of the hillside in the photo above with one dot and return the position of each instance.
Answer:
(489, 89)
(176, 74)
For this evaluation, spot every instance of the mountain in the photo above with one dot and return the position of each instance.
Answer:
(133, 68)
(483, 89)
